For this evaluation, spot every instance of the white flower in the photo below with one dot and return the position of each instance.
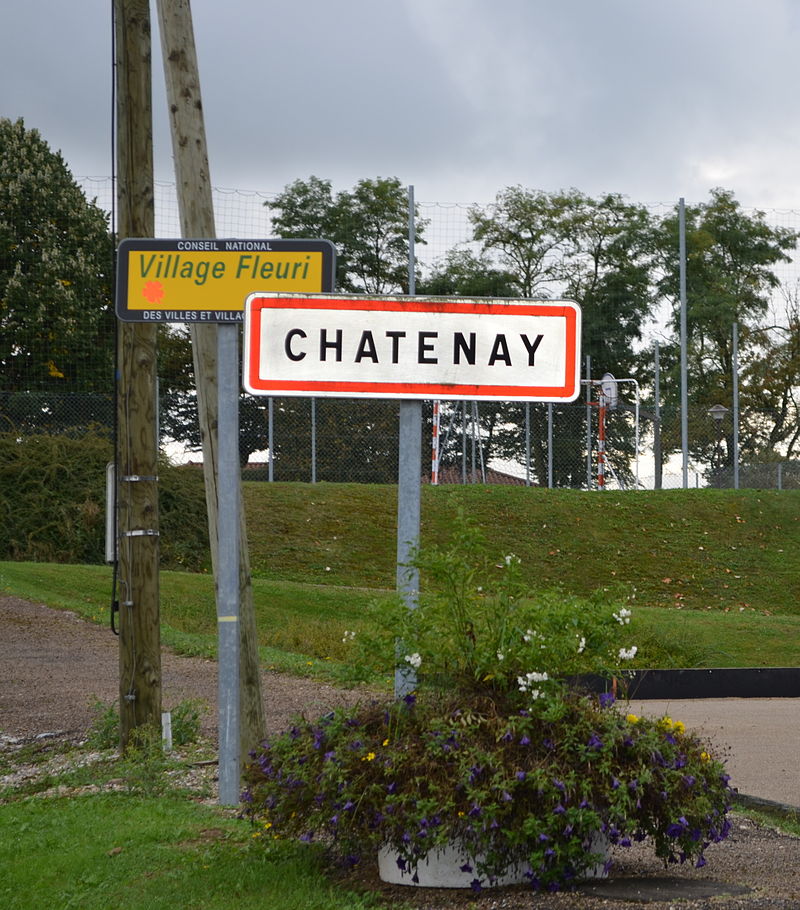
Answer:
(525, 681)
(623, 617)
(414, 659)
(348, 636)
(628, 654)
(531, 635)
(581, 644)
(511, 558)
(500, 655)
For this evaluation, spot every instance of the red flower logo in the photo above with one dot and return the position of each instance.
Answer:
(153, 291)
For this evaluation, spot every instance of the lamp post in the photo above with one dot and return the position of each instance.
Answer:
(717, 413)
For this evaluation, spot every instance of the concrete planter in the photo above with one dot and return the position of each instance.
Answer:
(443, 868)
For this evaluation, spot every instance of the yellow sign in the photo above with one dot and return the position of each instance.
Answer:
(209, 280)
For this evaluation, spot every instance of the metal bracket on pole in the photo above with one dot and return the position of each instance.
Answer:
(139, 478)
(140, 532)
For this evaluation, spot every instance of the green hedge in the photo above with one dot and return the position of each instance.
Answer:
(52, 503)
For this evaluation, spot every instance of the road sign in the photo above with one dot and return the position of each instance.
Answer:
(412, 347)
(208, 280)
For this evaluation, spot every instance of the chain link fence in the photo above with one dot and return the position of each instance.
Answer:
(336, 440)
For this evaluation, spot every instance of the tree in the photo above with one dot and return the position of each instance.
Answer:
(596, 252)
(56, 263)
(730, 278)
(463, 274)
(368, 225)
(770, 389)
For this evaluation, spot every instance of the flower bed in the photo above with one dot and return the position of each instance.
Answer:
(494, 752)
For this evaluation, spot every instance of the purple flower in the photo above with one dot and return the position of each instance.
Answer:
(606, 699)
(475, 884)
(307, 837)
(401, 863)
(595, 742)
(559, 785)
(465, 868)
(521, 775)
(559, 810)
(525, 741)
(614, 783)
(475, 811)
(701, 861)
(506, 797)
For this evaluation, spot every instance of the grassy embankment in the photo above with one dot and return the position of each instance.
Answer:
(714, 573)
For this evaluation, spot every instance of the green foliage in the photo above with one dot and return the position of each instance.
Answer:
(53, 502)
(463, 274)
(479, 627)
(52, 497)
(104, 730)
(55, 277)
(152, 853)
(496, 752)
(368, 225)
(730, 278)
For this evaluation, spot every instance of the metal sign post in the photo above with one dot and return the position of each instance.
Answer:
(207, 280)
(228, 569)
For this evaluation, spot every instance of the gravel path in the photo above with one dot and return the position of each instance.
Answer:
(54, 666)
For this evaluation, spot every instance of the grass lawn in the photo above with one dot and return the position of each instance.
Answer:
(146, 852)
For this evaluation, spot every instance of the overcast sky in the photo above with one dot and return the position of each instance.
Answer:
(461, 98)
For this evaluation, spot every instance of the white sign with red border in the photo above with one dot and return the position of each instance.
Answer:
(412, 347)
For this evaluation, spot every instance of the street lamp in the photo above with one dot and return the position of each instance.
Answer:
(717, 412)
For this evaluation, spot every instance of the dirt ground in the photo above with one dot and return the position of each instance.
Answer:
(54, 666)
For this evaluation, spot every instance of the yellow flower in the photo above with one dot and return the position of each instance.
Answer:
(386, 742)
(632, 719)
(665, 723)
(679, 726)
(704, 756)
(369, 756)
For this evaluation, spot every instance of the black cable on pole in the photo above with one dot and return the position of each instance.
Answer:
(115, 419)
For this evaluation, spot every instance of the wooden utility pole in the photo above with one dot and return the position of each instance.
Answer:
(197, 220)
(137, 456)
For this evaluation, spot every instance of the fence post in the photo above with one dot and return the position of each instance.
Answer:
(527, 443)
(313, 440)
(588, 422)
(270, 440)
(736, 406)
(659, 467)
(684, 365)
